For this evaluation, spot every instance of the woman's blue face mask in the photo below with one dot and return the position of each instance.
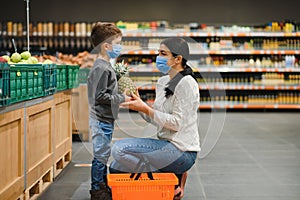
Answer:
(161, 64)
(115, 52)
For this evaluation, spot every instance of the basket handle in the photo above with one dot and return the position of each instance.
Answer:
(142, 164)
(138, 175)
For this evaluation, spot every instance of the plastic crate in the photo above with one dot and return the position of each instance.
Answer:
(18, 83)
(83, 74)
(4, 84)
(125, 188)
(72, 76)
(35, 81)
(61, 77)
(49, 79)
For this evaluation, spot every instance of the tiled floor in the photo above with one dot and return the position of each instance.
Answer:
(256, 157)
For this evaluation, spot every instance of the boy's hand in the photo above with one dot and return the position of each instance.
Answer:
(127, 98)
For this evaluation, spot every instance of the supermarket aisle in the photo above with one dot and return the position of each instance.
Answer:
(257, 157)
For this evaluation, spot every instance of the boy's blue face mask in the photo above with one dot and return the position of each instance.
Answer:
(115, 52)
(161, 64)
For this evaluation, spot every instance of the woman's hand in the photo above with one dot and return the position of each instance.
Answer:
(137, 104)
(137, 93)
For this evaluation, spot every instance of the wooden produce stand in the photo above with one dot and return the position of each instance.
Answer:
(36, 144)
(39, 150)
(80, 108)
(12, 154)
(63, 130)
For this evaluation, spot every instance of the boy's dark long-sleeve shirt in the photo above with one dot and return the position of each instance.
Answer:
(103, 94)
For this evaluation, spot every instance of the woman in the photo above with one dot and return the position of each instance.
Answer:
(174, 113)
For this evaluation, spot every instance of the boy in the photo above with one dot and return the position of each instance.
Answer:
(104, 103)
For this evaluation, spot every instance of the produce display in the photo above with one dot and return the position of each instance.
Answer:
(3, 60)
(84, 59)
(24, 58)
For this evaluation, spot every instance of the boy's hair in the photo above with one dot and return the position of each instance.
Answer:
(104, 32)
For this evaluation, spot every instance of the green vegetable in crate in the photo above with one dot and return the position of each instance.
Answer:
(23, 58)
(25, 55)
(15, 57)
(124, 81)
(32, 60)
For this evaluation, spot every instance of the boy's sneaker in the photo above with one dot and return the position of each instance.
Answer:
(102, 194)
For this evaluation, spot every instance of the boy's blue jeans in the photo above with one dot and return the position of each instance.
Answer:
(101, 138)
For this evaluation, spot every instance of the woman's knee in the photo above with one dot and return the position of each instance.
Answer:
(118, 149)
(115, 151)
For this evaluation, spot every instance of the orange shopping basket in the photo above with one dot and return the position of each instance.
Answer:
(147, 186)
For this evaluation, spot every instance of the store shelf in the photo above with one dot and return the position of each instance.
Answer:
(140, 52)
(233, 105)
(182, 33)
(248, 52)
(221, 52)
(146, 87)
(255, 84)
(222, 86)
(243, 69)
(247, 87)
(205, 68)
(248, 106)
(149, 68)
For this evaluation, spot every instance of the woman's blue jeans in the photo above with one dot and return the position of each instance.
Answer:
(101, 138)
(159, 155)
